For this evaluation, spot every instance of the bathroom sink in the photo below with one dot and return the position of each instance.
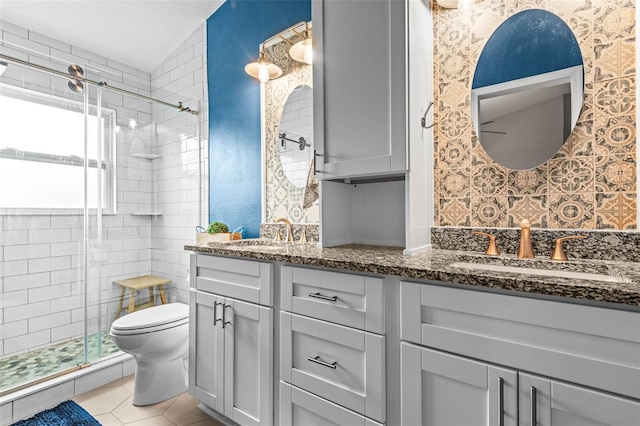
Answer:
(254, 243)
(538, 271)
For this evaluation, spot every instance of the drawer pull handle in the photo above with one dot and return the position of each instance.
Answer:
(500, 401)
(317, 360)
(534, 404)
(323, 297)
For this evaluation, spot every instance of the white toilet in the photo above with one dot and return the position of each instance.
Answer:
(158, 338)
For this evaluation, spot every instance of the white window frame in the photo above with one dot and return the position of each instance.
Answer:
(108, 163)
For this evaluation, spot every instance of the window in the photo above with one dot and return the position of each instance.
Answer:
(42, 153)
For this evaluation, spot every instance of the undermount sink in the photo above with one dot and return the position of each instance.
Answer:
(536, 271)
(254, 243)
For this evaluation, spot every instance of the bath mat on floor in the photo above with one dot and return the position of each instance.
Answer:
(66, 414)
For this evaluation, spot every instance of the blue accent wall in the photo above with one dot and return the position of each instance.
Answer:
(234, 33)
(529, 43)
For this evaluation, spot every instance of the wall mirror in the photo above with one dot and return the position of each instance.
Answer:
(527, 89)
(295, 146)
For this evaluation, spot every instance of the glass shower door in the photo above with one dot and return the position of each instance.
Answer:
(55, 168)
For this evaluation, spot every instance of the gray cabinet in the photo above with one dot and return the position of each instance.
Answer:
(359, 80)
(443, 389)
(546, 402)
(369, 99)
(564, 364)
(231, 342)
(328, 359)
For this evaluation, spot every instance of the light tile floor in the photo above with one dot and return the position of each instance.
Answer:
(111, 406)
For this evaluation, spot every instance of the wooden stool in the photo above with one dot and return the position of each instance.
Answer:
(139, 283)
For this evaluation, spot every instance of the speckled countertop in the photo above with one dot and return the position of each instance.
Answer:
(436, 265)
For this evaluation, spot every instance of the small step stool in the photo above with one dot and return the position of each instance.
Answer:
(140, 283)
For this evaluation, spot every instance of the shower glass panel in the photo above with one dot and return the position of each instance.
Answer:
(55, 169)
(96, 186)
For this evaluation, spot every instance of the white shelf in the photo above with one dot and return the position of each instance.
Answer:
(146, 156)
(146, 214)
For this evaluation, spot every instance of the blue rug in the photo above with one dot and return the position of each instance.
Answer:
(66, 414)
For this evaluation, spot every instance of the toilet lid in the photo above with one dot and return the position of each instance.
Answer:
(168, 315)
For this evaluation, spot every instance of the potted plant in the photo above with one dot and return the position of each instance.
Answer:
(216, 232)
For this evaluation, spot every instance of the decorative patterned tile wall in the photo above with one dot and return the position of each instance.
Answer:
(591, 182)
(282, 198)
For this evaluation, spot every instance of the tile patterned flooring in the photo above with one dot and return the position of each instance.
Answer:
(111, 406)
(17, 370)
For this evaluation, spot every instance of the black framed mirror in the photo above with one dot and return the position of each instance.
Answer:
(527, 89)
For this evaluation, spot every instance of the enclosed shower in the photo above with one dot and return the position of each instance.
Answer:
(101, 175)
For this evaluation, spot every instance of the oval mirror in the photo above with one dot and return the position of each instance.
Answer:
(294, 135)
(527, 89)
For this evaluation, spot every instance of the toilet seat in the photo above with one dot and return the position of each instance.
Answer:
(151, 320)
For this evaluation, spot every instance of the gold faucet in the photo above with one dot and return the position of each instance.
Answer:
(288, 224)
(558, 251)
(526, 248)
(492, 249)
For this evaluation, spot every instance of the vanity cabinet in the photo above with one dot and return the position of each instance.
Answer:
(329, 364)
(231, 344)
(583, 361)
(454, 390)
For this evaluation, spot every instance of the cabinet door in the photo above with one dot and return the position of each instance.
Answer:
(248, 363)
(206, 349)
(359, 87)
(545, 402)
(440, 389)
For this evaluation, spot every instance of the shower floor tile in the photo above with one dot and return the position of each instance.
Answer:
(18, 370)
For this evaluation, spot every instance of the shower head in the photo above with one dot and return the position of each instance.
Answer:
(75, 85)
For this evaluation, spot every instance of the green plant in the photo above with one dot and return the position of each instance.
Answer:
(217, 227)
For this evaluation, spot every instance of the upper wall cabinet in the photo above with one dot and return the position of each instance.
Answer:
(373, 79)
(359, 79)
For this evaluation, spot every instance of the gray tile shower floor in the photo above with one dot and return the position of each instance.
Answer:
(18, 370)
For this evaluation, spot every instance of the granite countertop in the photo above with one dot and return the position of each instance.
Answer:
(437, 265)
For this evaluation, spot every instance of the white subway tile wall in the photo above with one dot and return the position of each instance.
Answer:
(41, 256)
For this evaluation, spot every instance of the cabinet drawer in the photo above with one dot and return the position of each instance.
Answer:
(238, 278)
(341, 364)
(347, 299)
(592, 346)
(298, 407)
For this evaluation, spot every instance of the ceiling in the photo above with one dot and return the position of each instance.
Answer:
(139, 33)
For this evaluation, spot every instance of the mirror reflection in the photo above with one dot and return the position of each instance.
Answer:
(527, 89)
(295, 135)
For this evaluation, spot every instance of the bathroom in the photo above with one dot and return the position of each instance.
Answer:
(161, 200)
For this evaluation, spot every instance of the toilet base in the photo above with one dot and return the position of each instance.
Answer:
(154, 383)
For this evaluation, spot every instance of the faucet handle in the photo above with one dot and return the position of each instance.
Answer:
(492, 249)
(278, 236)
(558, 251)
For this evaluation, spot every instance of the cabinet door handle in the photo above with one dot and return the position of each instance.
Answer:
(317, 360)
(534, 405)
(317, 295)
(500, 401)
(224, 310)
(215, 313)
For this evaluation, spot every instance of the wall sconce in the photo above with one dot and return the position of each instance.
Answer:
(301, 51)
(262, 69)
(453, 4)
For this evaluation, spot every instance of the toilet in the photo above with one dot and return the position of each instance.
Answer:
(158, 338)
